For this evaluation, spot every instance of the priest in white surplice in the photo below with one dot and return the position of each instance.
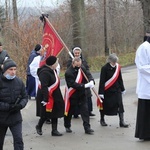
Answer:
(142, 61)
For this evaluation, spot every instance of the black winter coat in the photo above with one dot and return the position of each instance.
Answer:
(112, 97)
(70, 77)
(10, 90)
(86, 66)
(47, 78)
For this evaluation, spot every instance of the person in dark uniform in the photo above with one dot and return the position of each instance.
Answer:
(76, 94)
(111, 88)
(13, 98)
(50, 103)
(77, 52)
(3, 56)
(30, 81)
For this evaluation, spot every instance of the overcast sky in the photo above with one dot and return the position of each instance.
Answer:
(37, 3)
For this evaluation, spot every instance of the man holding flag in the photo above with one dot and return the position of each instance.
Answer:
(75, 94)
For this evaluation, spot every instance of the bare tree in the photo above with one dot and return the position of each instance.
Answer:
(78, 18)
(146, 14)
(15, 13)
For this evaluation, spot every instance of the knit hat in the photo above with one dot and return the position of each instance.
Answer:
(8, 63)
(51, 60)
(38, 47)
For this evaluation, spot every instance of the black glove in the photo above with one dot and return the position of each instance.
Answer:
(15, 108)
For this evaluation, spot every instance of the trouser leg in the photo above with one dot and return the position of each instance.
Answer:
(85, 115)
(17, 136)
(90, 105)
(3, 131)
(67, 119)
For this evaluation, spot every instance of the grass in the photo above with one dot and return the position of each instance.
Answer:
(97, 62)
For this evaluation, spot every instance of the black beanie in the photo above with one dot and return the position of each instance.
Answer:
(8, 64)
(51, 60)
(37, 47)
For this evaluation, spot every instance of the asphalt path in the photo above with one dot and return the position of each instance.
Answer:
(111, 137)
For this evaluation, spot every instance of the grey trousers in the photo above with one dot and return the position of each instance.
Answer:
(16, 131)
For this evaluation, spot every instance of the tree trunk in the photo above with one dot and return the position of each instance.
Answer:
(15, 13)
(78, 18)
(146, 14)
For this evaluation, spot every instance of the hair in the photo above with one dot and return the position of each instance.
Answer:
(76, 59)
(112, 58)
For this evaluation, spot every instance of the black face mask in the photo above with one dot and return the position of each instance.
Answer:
(76, 68)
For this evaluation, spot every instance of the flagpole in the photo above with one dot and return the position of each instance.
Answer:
(71, 55)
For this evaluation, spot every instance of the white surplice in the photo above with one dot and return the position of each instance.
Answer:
(142, 61)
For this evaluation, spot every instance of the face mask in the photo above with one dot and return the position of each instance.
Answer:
(9, 77)
(76, 68)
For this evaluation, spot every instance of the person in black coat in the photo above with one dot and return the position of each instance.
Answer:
(13, 98)
(77, 84)
(3, 56)
(111, 88)
(50, 103)
(77, 52)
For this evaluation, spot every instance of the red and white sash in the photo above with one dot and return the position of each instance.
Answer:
(51, 89)
(113, 79)
(70, 91)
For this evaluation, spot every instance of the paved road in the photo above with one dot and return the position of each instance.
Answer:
(111, 137)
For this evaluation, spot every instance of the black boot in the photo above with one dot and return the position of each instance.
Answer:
(102, 120)
(38, 127)
(54, 128)
(122, 123)
(38, 130)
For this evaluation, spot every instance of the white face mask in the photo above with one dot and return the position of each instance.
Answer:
(9, 77)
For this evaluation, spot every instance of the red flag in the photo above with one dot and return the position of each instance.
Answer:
(51, 41)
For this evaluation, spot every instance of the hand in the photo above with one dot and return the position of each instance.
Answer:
(123, 92)
(92, 84)
(101, 96)
(87, 85)
(15, 108)
(44, 103)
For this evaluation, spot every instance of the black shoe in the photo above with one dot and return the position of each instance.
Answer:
(48, 121)
(146, 139)
(103, 123)
(38, 130)
(56, 133)
(89, 131)
(91, 114)
(68, 130)
(123, 125)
